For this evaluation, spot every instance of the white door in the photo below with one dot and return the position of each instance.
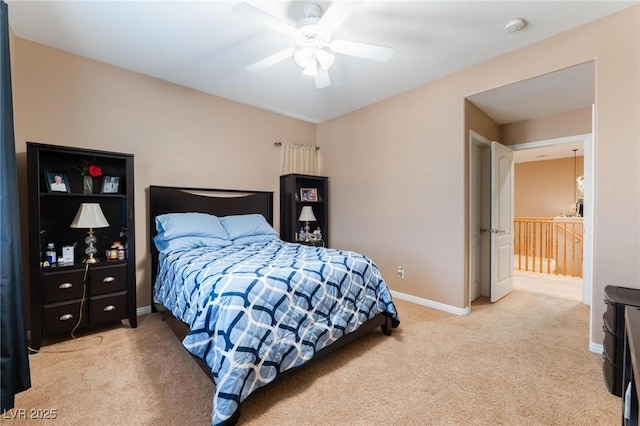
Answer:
(501, 231)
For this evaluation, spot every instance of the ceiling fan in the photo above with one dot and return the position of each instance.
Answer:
(314, 49)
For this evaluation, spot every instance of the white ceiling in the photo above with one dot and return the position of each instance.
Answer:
(206, 46)
(552, 151)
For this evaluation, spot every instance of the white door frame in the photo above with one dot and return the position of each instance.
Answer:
(587, 220)
(479, 217)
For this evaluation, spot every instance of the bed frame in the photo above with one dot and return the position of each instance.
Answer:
(224, 202)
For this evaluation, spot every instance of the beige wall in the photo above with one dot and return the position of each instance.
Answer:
(398, 167)
(397, 185)
(546, 188)
(570, 123)
(180, 137)
(478, 121)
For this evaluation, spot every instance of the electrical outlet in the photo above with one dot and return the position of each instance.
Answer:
(400, 272)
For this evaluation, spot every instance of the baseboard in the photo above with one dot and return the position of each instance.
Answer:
(596, 348)
(431, 304)
(143, 310)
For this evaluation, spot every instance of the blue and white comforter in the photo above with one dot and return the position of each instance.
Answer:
(261, 309)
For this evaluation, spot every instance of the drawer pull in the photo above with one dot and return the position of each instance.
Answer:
(65, 285)
(66, 317)
(109, 308)
(108, 279)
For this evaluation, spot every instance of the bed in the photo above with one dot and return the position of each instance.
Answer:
(248, 306)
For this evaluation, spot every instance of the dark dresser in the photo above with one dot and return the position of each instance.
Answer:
(616, 299)
(631, 363)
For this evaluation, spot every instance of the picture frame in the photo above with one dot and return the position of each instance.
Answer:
(309, 194)
(110, 185)
(57, 181)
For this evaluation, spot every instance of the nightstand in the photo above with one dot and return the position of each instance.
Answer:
(64, 295)
(294, 190)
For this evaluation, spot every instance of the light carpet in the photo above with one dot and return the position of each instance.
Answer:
(560, 286)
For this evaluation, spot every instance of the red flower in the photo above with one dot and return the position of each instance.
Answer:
(89, 169)
(95, 171)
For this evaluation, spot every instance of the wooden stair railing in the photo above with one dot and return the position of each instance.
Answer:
(548, 245)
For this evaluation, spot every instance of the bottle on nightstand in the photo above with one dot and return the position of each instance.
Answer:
(50, 254)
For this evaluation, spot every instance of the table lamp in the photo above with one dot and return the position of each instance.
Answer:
(306, 215)
(90, 216)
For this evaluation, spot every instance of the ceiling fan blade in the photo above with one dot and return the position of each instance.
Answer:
(337, 13)
(362, 50)
(322, 79)
(251, 12)
(272, 60)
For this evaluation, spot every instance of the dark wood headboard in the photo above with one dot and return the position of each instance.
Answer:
(219, 202)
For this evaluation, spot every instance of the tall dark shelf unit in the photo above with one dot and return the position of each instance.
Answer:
(291, 205)
(61, 295)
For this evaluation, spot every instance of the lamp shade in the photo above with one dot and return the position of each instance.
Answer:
(306, 215)
(89, 216)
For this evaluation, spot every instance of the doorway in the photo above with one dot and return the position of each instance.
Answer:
(479, 214)
(584, 143)
(490, 218)
(480, 210)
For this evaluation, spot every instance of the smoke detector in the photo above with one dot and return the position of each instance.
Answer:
(515, 25)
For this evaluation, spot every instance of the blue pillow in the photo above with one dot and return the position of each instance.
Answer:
(250, 239)
(245, 225)
(174, 225)
(186, 243)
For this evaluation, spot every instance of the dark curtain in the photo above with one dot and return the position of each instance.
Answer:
(14, 371)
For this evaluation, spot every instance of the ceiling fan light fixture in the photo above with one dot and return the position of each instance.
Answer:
(312, 36)
(312, 10)
(314, 48)
(312, 69)
(309, 58)
(304, 57)
(325, 58)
